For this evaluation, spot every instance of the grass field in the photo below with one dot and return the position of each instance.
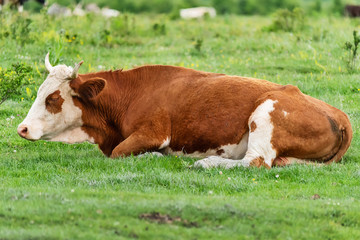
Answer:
(58, 191)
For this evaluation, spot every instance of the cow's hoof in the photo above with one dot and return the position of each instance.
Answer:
(208, 162)
(157, 154)
(201, 164)
(151, 154)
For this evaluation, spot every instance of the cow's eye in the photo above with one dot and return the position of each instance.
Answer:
(53, 102)
(54, 98)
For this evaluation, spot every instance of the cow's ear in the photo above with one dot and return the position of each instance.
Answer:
(91, 88)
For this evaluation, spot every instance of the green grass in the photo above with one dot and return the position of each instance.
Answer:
(58, 191)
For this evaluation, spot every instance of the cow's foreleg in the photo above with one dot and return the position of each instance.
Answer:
(153, 135)
(138, 142)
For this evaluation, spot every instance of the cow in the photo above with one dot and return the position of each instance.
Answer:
(229, 121)
(197, 12)
(18, 3)
(352, 10)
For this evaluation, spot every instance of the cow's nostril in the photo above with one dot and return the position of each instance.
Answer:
(22, 131)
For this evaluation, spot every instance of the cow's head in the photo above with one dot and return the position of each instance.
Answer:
(54, 116)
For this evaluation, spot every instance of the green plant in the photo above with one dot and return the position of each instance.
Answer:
(20, 29)
(58, 49)
(317, 6)
(12, 79)
(106, 38)
(159, 29)
(288, 21)
(352, 49)
(337, 7)
(198, 44)
(121, 25)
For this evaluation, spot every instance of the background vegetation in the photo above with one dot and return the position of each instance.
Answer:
(58, 191)
(244, 7)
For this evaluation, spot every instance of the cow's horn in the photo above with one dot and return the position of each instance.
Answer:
(47, 62)
(76, 70)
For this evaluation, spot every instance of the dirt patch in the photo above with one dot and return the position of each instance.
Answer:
(166, 219)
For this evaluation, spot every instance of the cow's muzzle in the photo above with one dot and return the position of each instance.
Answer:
(23, 131)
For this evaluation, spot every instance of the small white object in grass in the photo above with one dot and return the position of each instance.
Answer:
(220, 172)
(14, 151)
(229, 178)
(210, 192)
(8, 119)
(12, 117)
(72, 190)
(277, 176)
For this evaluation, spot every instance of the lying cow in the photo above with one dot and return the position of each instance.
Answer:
(231, 120)
(18, 3)
(197, 12)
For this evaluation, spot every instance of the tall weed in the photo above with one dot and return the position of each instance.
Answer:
(352, 50)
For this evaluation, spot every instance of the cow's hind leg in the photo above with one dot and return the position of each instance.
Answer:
(260, 151)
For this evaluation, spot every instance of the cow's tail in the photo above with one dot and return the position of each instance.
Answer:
(346, 137)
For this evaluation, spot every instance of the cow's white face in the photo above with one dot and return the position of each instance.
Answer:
(54, 116)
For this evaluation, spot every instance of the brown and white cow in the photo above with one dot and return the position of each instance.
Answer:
(230, 120)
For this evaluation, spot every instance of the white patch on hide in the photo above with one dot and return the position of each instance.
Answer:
(165, 144)
(76, 135)
(236, 151)
(285, 113)
(260, 139)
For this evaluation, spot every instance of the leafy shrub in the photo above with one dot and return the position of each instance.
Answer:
(16, 27)
(289, 21)
(11, 80)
